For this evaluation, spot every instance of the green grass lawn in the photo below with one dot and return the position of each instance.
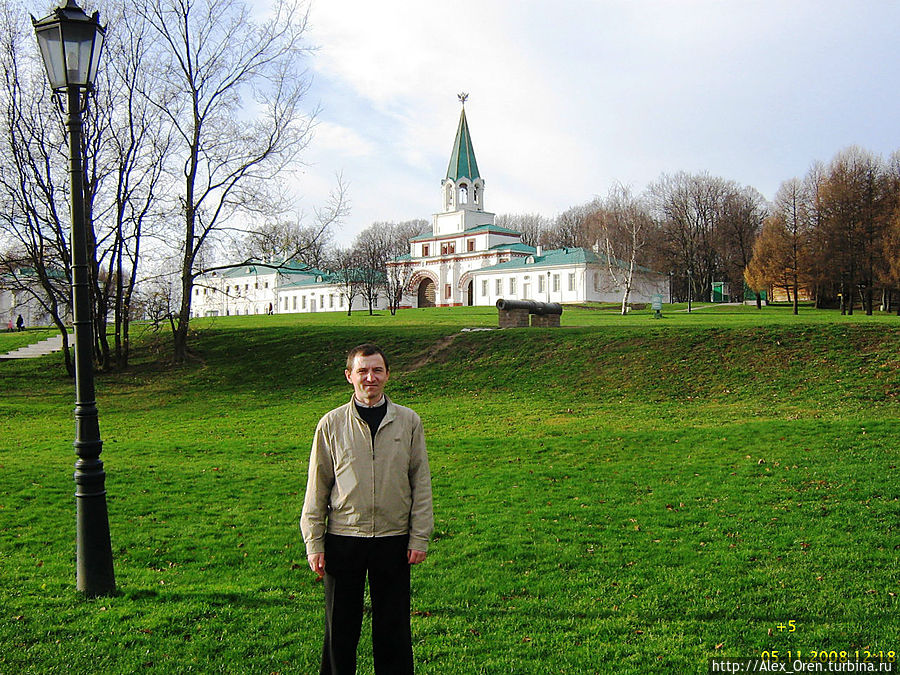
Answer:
(622, 494)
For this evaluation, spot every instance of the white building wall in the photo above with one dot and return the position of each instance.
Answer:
(564, 284)
(14, 302)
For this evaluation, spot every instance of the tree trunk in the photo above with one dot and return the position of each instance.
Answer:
(796, 293)
(67, 353)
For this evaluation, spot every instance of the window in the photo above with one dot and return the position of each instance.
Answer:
(247, 287)
(294, 303)
(541, 283)
(555, 283)
(424, 250)
(331, 302)
(484, 287)
(571, 281)
(443, 249)
(499, 288)
(470, 245)
(448, 291)
(512, 285)
(196, 291)
(256, 285)
(451, 247)
(267, 284)
(303, 302)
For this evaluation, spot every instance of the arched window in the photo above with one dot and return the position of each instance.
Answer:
(463, 194)
(449, 196)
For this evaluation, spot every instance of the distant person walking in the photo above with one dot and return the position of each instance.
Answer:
(9, 326)
(367, 511)
(20, 323)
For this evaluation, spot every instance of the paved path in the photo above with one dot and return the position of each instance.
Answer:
(48, 346)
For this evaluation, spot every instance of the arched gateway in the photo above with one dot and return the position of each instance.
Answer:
(426, 293)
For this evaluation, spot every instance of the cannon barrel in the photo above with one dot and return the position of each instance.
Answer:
(533, 306)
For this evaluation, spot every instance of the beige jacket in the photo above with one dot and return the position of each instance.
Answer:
(362, 488)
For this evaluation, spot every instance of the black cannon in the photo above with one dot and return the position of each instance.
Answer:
(533, 306)
(519, 313)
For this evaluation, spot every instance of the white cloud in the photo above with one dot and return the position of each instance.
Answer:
(569, 97)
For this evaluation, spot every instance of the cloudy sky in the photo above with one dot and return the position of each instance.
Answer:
(567, 97)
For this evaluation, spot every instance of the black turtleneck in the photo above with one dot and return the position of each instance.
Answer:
(372, 416)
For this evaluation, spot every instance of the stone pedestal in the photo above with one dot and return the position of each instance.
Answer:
(545, 320)
(513, 318)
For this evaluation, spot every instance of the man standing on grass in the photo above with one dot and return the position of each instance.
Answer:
(367, 511)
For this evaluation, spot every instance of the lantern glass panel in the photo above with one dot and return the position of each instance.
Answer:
(95, 57)
(79, 41)
(50, 43)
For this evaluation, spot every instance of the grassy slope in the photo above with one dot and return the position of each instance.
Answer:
(649, 493)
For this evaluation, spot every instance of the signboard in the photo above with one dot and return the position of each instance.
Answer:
(656, 305)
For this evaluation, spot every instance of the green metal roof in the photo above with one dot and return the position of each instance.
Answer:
(518, 246)
(496, 229)
(462, 159)
(561, 256)
(274, 267)
(556, 257)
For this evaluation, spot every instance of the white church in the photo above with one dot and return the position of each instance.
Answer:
(468, 260)
(465, 260)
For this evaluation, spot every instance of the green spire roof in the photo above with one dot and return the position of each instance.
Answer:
(462, 159)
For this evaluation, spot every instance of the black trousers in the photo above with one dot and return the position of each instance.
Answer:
(347, 561)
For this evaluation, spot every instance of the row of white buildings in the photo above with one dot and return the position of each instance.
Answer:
(465, 260)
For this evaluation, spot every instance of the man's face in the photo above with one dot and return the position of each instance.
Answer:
(368, 378)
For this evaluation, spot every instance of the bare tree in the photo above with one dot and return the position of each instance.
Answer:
(621, 227)
(33, 185)
(569, 229)
(742, 214)
(345, 269)
(373, 248)
(792, 216)
(377, 246)
(533, 226)
(398, 276)
(233, 89)
(126, 181)
(282, 240)
(688, 209)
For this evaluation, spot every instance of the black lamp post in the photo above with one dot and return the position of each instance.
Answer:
(70, 43)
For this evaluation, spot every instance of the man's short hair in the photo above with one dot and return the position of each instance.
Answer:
(366, 349)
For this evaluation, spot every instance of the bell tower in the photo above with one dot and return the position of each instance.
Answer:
(462, 189)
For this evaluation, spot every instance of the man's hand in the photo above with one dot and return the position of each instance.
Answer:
(415, 557)
(317, 563)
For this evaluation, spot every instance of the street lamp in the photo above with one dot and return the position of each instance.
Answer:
(70, 43)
